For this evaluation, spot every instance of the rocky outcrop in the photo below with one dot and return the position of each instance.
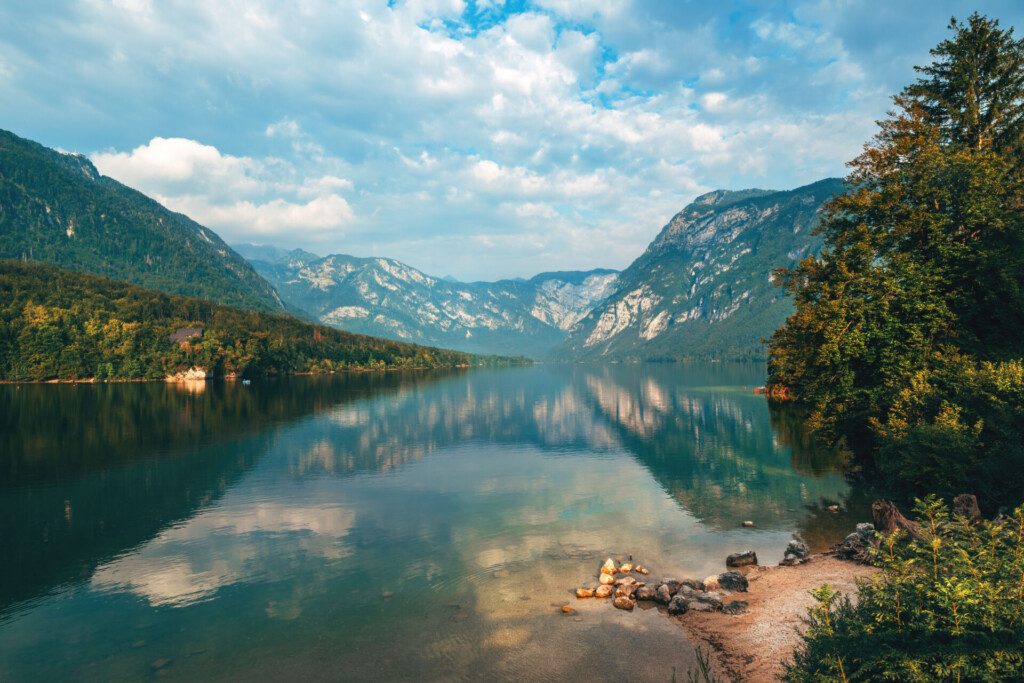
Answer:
(190, 375)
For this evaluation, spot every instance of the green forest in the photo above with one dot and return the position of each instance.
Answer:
(59, 324)
(905, 345)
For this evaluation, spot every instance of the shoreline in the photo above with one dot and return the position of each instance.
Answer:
(752, 647)
(173, 380)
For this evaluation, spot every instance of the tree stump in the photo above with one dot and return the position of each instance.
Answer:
(888, 519)
(966, 505)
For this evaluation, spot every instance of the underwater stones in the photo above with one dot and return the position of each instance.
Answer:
(644, 593)
(733, 581)
(603, 591)
(626, 590)
(833, 508)
(748, 523)
(735, 607)
(743, 559)
(608, 567)
(566, 609)
(624, 602)
(584, 592)
(640, 569)
(678, 605)
(606, 579)
(626, 568)
(625, 581)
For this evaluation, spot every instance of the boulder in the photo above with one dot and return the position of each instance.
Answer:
(733, 581)
(735, 607)
(712, 598)
(606, 579)
(583, 592)
(743, 559)
(662, 595)
(711, 583)
(799, 548)
(608, 567)
(673, 585)
(696, 606)
(644, 593)
(603, 591)
(625, 603)
(678, 605)
(694, 584)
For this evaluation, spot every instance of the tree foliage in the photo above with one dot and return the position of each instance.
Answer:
(948, 606)
(59, 324)
(921, 282)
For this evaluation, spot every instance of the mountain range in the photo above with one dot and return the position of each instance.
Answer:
(702, 289)
(387, 298)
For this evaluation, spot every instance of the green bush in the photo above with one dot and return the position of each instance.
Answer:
(947, 605)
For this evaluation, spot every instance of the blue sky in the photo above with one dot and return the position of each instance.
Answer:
(479, 139)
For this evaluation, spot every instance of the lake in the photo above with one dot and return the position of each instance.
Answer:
(417, 526)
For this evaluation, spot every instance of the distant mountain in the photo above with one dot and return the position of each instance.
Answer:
(703, 288)
(384, 297)
(57, 208)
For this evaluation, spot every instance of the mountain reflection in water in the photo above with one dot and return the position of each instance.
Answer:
(296, 526)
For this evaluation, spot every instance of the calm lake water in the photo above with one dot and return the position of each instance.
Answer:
(419, 526)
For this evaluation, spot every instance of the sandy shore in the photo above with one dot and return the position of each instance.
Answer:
(752, 647)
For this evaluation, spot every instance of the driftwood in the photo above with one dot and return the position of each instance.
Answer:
(966, 505)
(888, 519)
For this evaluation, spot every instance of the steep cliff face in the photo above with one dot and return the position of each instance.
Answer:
(384, 297)
(703, 287)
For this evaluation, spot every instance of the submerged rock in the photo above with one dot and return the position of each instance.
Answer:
(626, 568)
(743, 559)
(567, 610)
(603, 591)
(642, 570)
(606, 579)
(733, 581)
(748, 523)
(584, 592)
(644, 593)
(626, 590)
(624, 602)
(678, 605)
(609, 567)
(625, 581)
(735, 607)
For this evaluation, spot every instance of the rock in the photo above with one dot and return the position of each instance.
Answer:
(606, 579)
(735, 607)
(743, 559)
(567, 610)
(159, 663)
(642, 570)
(387, 595)
(711, 583)
(833, 508)
(694, 584)
(603, 591)
(748, 523)
(626, 568)
(673, 585)
(644, 593)
(697, 606)
(733, 581)
(678, 605)
(583, 592)
(502, 574)
(798, 548)
(966, 505)
(865, 530)
(608, 567)
(625, 603)
(853, 538)
(662, 595)
(626, 590)
(625, 581)
(791, 560)
(712, 598)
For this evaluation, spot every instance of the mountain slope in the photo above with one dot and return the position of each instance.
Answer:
(63, 324)
(703, 289)
(57, 208)
(387, 298)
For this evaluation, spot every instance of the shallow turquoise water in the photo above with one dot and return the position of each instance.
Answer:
(420, 526)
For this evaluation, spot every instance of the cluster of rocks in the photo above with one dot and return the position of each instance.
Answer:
(677, 596)
(857, 545)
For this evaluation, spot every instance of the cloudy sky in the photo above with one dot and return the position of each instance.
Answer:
(479, 139)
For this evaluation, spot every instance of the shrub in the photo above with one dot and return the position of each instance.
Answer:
(947, 605)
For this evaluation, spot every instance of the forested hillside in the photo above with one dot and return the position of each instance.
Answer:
(61, 324)
(57, 208)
